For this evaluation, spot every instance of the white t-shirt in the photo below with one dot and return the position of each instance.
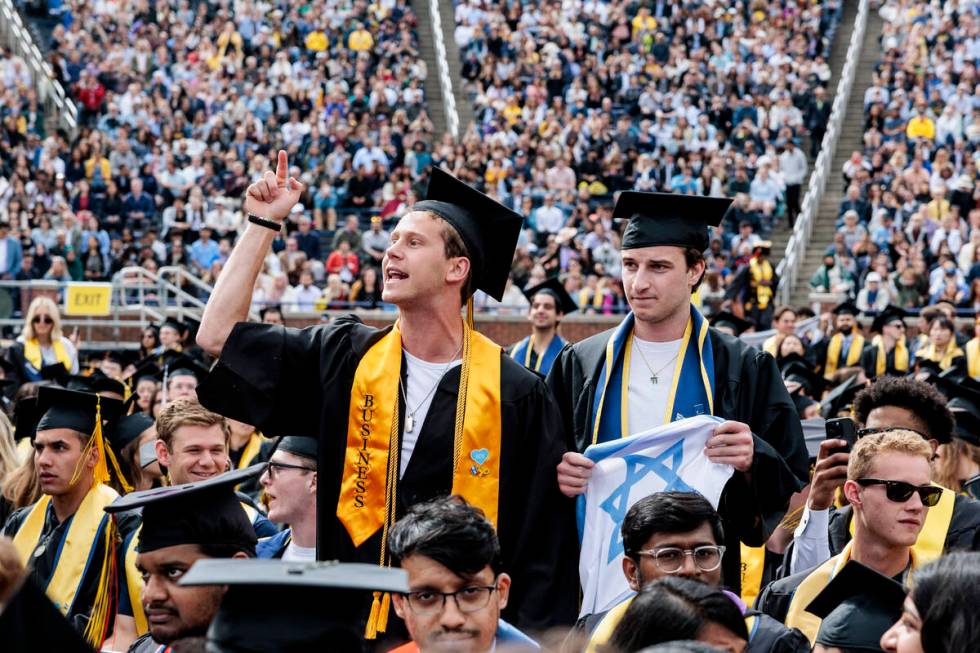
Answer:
(422, 378)
(296, 553)
(648, 401)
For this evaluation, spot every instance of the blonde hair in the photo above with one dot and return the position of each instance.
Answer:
(895, 441)
(946, 470)
(187, 411)
(8, 449)
(52, 309)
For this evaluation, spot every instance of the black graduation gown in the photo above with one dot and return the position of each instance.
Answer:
(817, 354)
(963, 533)
(869, 361)
(44, 565)
(775, 598)
(748, 389)
(289, 381)
(30, 623)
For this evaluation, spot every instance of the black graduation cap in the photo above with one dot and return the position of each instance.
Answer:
(794, 367)
(800, 401)
(553, 287)
(274, 605)
(204, 512)
(846, 308)
(298, 445)
(668, 218)
(175, 324)
(888, 315)
(857, 606)
(840, 397)
(963, 393)
(147, 368)
(488, 228)
(96, 383)
(177, 363)
(928, 366)
(128, 429)
(26, 417)
(69, 409)
(732, 321)
(55, 372)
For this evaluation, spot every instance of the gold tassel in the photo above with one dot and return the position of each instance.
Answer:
(383, 614)
(371, 630)
(96, 630)
(469, 311)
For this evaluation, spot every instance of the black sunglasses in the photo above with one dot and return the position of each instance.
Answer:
(900, 491)
(44, 319)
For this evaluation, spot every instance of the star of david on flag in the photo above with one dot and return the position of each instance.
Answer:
(667, 458)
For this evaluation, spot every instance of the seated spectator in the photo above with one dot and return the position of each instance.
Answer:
(307, 238)
(451, 554)
(302, 297)
(874, 297)
(343, 262)
(204, 251)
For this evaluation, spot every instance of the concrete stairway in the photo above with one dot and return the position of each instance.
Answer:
(852, 131)
(434, 101)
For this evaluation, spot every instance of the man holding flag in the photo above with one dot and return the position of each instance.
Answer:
(664, 363)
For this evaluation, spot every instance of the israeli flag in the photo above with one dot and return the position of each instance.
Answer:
(667, 458)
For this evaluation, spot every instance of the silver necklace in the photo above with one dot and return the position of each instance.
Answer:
(655, 376)
(410, 414)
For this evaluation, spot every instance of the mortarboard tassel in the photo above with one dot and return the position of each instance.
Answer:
(469, 311)
(101, 471)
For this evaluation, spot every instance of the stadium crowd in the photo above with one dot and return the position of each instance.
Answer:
(687, 99)
(819, 495)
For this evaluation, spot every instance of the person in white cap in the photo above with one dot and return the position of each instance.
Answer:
(874, 296)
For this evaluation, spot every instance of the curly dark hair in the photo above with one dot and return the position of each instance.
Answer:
(925, 402)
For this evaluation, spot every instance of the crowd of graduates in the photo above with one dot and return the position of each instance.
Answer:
(178, 497)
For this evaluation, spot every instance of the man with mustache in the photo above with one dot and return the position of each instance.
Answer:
(181, 526)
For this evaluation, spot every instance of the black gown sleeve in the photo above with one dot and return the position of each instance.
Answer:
(563, 380)
(756, 502)
(268, 376)
(543, 540)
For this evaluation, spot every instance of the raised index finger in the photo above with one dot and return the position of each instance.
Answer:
(282, 168)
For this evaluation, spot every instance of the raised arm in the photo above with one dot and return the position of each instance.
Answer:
(270, 198)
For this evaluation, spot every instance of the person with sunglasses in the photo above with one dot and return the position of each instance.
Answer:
(289, 484)
(678, 535)
(42, 351)
(889, 403)
(456, 583)
(889, 490)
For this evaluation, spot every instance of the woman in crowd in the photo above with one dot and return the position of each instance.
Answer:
(939, 615)
(42, 343)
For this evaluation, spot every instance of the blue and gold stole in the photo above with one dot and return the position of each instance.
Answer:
(692, 390)
(523, 351)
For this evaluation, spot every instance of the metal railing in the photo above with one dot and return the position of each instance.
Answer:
(165, 289)
(50, 92)
(442, 63)
(789, 268)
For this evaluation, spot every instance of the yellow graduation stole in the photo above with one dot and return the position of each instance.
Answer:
(32, 352)
(761, 273)
(928, 546)
(134, 584)
(604, 629)
(252, 448)
(753, 563)
(90, 528)
(945, 357)
(368, 490)
(834, 352)
(771, 345)
(901, 356)
(973, 358)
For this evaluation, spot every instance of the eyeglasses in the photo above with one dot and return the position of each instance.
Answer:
(274, 467)
(670, 559)
(888, 429)
(900, 491)
(468, 600)
(44, 319)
